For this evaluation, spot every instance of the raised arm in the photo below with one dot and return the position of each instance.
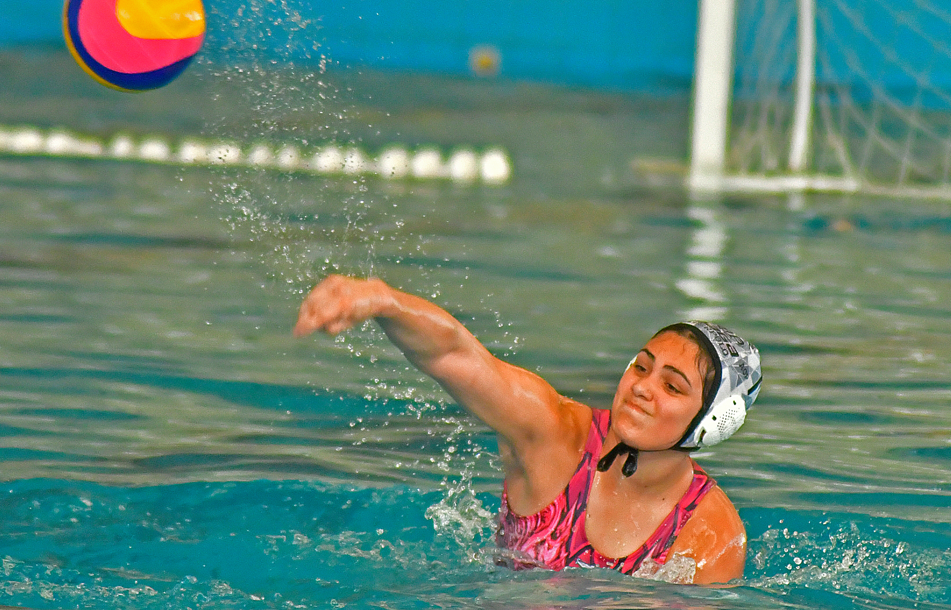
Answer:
(520, 406)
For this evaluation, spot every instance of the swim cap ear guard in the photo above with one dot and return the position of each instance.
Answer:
(737, 380)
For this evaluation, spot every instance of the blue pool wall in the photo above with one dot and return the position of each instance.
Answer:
(608, 44)
(615, 44)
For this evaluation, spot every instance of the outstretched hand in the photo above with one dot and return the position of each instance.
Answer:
(338, 303)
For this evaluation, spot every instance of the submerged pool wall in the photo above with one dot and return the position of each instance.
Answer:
(625, 45)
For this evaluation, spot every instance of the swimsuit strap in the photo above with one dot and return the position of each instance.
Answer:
(579, 486)
(658, 545)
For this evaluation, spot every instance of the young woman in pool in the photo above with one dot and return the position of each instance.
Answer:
(584, 487)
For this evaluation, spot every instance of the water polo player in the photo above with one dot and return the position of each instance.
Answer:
(584, 487)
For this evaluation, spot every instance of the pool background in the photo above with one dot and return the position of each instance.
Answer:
(165, 443)
(610, 45)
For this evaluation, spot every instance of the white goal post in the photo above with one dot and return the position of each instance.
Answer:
(822, 95)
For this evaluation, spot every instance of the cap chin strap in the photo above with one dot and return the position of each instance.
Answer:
(630, 464)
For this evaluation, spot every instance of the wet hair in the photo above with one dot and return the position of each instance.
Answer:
(706, 362)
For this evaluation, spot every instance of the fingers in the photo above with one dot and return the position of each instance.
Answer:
(321, 309)
(307, 319)
(334, 305)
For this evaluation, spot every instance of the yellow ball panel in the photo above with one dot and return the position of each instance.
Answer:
(162, 19)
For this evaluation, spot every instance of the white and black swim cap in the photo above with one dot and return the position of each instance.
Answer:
(737, 376)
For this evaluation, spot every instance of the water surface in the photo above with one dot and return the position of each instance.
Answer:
(166, 443)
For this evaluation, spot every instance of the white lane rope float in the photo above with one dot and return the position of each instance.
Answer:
(463, 165)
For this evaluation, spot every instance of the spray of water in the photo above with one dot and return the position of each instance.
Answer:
(274, 84)
(460, 515)
(849, 556)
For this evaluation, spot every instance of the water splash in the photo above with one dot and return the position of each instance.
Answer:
(461, 516)
(853, 555)
(677, 569)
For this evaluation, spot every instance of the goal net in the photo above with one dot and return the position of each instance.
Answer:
(841, 95)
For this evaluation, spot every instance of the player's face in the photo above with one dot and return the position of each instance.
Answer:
(659, 394)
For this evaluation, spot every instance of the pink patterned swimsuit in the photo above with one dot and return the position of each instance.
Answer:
(555, 538)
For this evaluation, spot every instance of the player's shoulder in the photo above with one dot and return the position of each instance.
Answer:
(716, 508)
(715, 538)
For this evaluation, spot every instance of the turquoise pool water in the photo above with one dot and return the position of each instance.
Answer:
(165, 443)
